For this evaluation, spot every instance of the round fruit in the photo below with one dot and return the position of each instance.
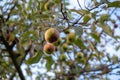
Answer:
(65, 47)
(67, 31)
(51, 35)
(49, 48)
(115, 25)
(80, 58)
(58, 42)
(79, 55)
(62, 57)
(70, 62)
(71, 37)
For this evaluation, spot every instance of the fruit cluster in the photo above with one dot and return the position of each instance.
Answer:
(52, 38)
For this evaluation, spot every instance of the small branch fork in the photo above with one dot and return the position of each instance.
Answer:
(9, 48)
(64, 13)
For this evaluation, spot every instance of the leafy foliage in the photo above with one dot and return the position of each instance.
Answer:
(81, 50)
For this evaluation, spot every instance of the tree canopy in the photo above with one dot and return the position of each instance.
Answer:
(47, 39)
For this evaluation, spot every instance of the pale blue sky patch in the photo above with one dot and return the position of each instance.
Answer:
(74, 4)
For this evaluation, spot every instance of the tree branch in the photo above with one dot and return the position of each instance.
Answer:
(26, 52)
(15, 3)
(10, 51)
(64, 14)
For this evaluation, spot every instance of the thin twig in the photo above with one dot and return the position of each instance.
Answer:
(64, 14)
(11, 11)
(77, 20)
(79, 4)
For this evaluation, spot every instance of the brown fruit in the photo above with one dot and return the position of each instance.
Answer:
(70, 62)
(115, 25)
(56, 49)
(49, 48)
(51, 35)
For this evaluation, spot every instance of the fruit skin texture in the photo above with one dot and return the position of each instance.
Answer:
(79, 55)
(70, 62)
(49, 48)
(62, 57)
(65, 47)
(51, 35)
(67, 31)
(71, 37)
(115, 25)
(58, 42)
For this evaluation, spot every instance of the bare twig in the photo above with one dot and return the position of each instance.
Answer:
(77, 20)
(64, 14)
(79, 4)
(8, 16)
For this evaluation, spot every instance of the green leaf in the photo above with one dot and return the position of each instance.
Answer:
(118, 72)
(79, 43)
(78, 30)
(85, 11)
(106, 29)
(93, 27)
(117, 48)
(93, 15)
(77, 11)
(96, 37)
(35, 58)
(81, 12)
(80, 61)
(95, 2)
(114, 4)
(57, 1)
(49, 62)
(104, 17)
(86, 18)
(108, 57)
(115, 59)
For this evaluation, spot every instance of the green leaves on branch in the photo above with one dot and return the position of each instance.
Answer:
(106, 29)
(103, 18)
(114, 4)
(35, 59)
(49, 62)
(115, 59)
(78, 31)
(79, 43)
(96, 37)
(86, 18)
(81, 12)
